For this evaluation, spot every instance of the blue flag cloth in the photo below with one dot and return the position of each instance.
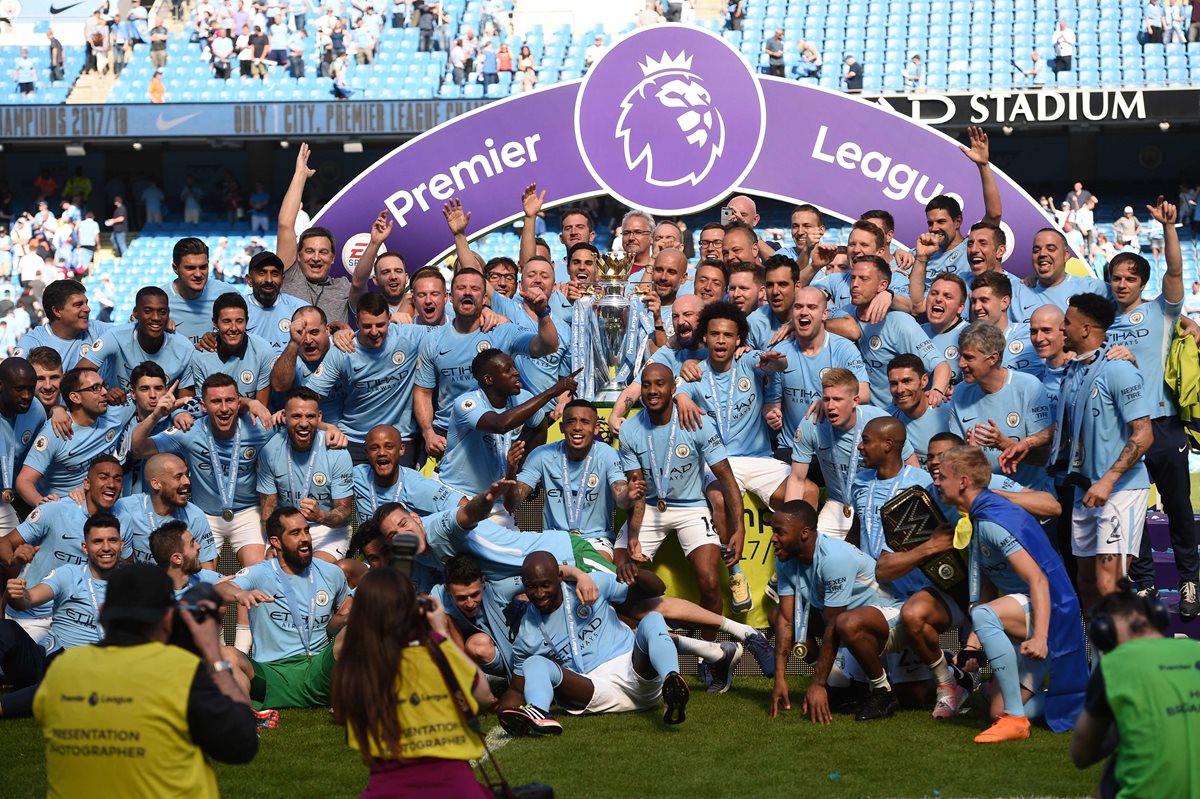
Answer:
(1068, 658)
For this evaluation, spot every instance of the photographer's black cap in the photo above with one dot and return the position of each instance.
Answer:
(140, 592)
(264, 259)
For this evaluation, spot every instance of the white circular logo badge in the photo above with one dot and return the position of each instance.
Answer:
(1095, 391)
(285, 325)
(951, 352)
(354, 248)
(467, 404)
(249, 452)
(1136, 318)
(1015, 347)
(319, 479)
(96, 345)
(875, 342)
(682, 451)
(1013, 419)
(744, 384)
(945, 571)
(320, 370)
(110, 435)
(322, 598)
(822, 373)
(34, 515)
(41, 444)
(483, 345)
(85, 349)
(398, 358)
(247, 377)
(584, 611)
(28, 434)
(593, 480)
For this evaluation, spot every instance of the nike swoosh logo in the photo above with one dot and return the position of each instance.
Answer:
(358, 369)
(60, 9)
(444, 352)
(1183, 448)
(968, 421)
(168, 124)
(1113, 538)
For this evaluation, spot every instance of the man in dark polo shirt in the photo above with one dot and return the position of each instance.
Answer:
(310, 259)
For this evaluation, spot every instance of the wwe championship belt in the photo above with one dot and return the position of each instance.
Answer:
(909, 519)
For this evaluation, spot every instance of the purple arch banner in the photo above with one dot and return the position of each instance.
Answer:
(671, 120)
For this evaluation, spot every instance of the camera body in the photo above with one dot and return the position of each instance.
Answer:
(181, 636)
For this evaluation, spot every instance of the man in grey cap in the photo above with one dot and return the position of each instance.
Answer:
(184, 708)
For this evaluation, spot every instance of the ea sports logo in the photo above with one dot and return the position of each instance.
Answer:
(651, 123)
(354, 248)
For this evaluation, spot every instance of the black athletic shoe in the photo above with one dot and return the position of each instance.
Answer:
(675, 693)
(1189, 606)
(722, 670)
(528, 720)
(881, 704)
(763, 653)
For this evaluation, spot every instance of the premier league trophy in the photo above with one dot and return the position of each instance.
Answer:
(613, 311)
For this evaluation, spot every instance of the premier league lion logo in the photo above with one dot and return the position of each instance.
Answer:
(671, 109)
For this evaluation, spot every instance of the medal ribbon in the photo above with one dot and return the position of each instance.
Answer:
(575, 506)
(305, 631)
(225, 491)
(662, 479)
(312, 464)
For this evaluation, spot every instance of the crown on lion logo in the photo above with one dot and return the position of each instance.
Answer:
(682, 61)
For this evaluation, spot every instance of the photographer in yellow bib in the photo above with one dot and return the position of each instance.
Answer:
(390, 692)
(134, 716)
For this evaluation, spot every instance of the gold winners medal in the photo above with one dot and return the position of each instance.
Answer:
(227, 514)
(661, 505)
(800, 650)
(7, 495)
(574, 532)
(846, 511)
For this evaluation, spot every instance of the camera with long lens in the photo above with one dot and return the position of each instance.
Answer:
(400, 553)
(190, 602)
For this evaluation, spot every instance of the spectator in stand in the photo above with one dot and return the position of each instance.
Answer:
(914, 75)
(260, 209)
(853, 76)
(139, 19)
(1085, 220)
(296, 47)
(120, 34)
(488, 72)
(88, 237)
(364, 42)
(1187, 203)
(1194, 28)
(810, 61)
(1191, 303)
(1154, 232)
(259, 45)
(299, 11)
(245, 53)
(1103, 251)
(277, 40)
(158, 45)
(593, 52)
(1078, 196)
(735, 12)
(458, 63)
(529, 79)
(426, 23)
(1063, 214)
(1064, 48)
(649, 15)
(222, 55)
(152, 196)
(119, 224)
(441, 33)
(102, 45)
(525, 60)
(56, 57)
(1175, 21)
(774, 50)
(190, 197)
(91, 29)
(104, 296)
(25, 73)
(1034, 73)
(341, 80)
(1152, 26)
(1127, 229)
(157, 91)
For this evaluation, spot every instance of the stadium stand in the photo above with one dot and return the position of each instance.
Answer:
(1109, 52)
